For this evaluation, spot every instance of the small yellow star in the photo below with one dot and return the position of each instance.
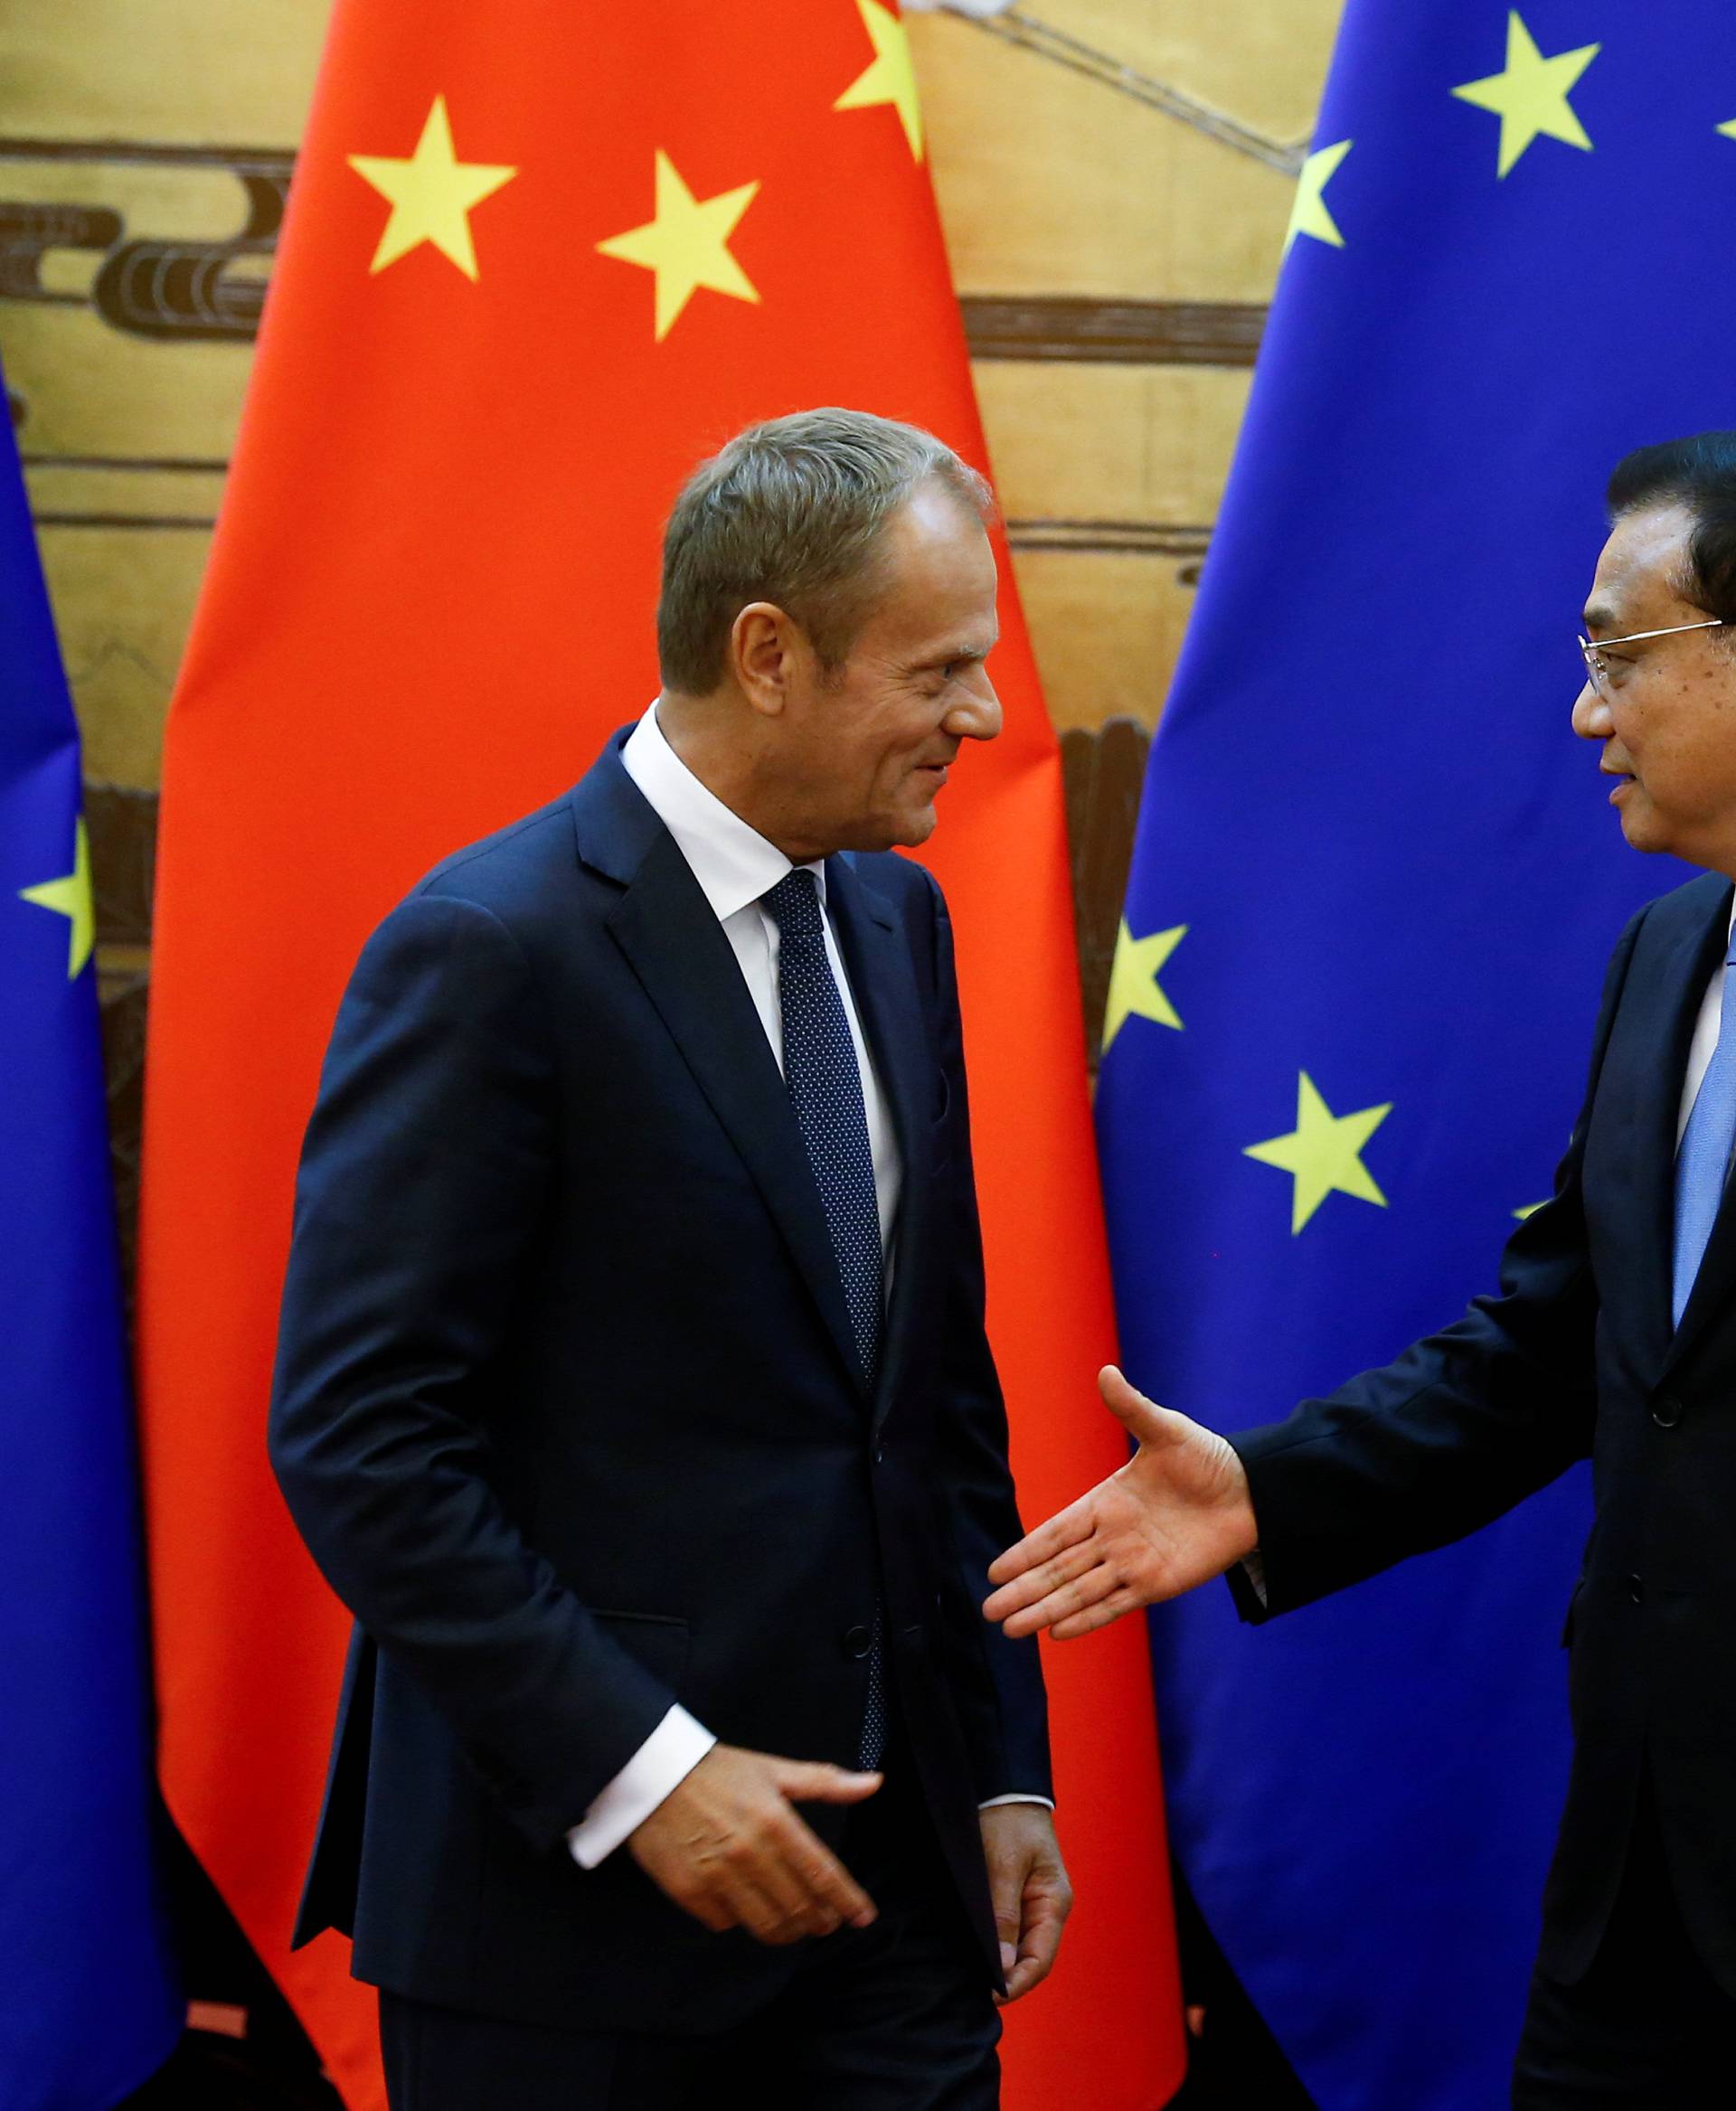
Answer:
(890, 79)
(1309, 213)
(432, 195)
(70, 898)
(1530, 98)
(1529, 1209)
(1134, 991)
(1323, 1151)
(687, 245)
(1727, 131)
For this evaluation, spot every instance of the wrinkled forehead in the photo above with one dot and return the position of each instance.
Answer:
(1642, 571)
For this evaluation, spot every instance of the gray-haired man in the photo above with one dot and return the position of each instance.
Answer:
(633, 1387)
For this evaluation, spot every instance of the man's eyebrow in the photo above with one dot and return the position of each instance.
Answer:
(948, 654)
(1598, 617)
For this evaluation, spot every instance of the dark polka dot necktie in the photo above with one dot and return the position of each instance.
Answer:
(826, 1091)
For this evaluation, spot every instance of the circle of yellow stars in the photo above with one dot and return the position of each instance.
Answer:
(686, 243)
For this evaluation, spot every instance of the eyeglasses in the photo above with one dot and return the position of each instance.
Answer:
(1598, 673)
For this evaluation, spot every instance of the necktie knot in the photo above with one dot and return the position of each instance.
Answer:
(794, 905)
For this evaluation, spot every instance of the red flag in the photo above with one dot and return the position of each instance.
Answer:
(538, 261)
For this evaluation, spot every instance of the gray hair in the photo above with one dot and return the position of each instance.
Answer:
(792, 512)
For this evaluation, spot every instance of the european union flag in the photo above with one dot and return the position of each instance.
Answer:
(1375, 884)
(87, 2000)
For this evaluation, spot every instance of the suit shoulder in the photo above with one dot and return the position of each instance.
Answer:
(1694, 904)
(510, 869)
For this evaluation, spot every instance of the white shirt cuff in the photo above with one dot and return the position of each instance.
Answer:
(994, 1801)
(662, 1763)
(1254, 1570)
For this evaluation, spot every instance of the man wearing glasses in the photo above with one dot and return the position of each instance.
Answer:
(1613, 1337)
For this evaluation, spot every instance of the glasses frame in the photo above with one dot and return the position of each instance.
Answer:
(1597, 674)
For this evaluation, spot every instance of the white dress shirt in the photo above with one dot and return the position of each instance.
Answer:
(735, 867)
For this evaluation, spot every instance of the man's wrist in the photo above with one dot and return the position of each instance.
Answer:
(662, 1763)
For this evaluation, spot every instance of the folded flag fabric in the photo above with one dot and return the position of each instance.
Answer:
(88, 2002)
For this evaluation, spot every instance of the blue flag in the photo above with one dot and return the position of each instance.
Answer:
(87, 2000)
(1375, 884)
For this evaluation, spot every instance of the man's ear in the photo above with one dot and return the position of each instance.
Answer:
(764, 646)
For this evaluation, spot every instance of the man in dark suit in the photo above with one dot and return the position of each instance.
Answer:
(1613, 1337)
(632, 1386)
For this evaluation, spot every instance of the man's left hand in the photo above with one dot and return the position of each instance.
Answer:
(1028, 1883)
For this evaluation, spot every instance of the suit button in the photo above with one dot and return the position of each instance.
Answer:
(880, 1454)
(1636, 1590)
(856, 1642)
(1666, 1410)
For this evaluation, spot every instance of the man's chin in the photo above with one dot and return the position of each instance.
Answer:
(906, 831)
(1640, 827)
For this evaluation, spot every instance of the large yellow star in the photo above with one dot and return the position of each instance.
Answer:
(891, 79)
(432, 195)
(1309, 213)
(687, 245)
(70, 898)
(1530, 98)
(1323, 1151)
(1134, 991)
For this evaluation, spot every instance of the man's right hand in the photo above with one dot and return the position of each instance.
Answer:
(727, 1846)
(1177, 1513)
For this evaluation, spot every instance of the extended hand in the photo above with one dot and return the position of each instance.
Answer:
(1028, 1884)
(1175, 1515)
(728, 1848)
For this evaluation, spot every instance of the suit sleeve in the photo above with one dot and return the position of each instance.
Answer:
(996, 1683)
(1459, 1429)
(424, 1177)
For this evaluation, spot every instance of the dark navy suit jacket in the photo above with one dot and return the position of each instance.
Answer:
(568, 1410)
(1577, 1358)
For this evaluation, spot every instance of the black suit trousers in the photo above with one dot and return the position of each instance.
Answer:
(895, 2017)
(1647, 2028)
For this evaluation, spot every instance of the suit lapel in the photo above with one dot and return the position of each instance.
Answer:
(884, 985)
(1698, 950)
(676, 948)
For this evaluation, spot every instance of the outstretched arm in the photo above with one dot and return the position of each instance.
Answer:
(1176, 1514)
(1455, 1431)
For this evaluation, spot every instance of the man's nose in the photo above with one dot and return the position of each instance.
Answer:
(1591, 720)
(979, 716)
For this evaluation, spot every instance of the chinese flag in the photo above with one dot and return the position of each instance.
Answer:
(540, 259)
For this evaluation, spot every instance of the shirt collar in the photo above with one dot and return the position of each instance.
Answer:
(733, 863)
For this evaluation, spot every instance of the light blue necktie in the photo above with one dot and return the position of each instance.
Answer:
(1703, 1163)
(826, 1091)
